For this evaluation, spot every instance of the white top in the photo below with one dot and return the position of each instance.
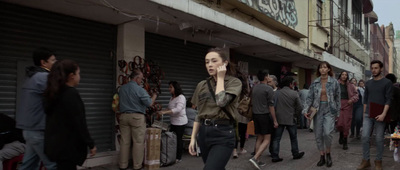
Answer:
(178, 107)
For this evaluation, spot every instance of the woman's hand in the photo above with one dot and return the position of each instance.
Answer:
(93, 151)
(221, 71)
(160, 113)
(192, 149)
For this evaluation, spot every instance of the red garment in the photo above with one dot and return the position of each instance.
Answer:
(344, 120)
(346, 110)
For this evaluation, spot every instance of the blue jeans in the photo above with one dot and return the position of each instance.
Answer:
(292, 129)
(356, 122)
(368, 124)
(34, 152)
(303, 122)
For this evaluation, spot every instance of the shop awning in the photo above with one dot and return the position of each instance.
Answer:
(372, 17)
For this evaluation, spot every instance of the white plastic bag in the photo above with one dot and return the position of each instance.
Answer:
(396, 155)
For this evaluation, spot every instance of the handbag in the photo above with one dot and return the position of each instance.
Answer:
(245, 108)
(160, 124)
(313, 111)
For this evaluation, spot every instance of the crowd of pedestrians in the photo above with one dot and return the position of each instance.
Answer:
(54, 129)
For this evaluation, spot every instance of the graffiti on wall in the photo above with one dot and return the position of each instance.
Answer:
(283, 11)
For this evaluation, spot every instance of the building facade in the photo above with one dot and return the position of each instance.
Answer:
(392, 58)
(287, 37)
(347, 25)
(379, 46)
(397, 53)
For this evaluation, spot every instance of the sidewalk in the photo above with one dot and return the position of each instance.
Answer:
(342, 159)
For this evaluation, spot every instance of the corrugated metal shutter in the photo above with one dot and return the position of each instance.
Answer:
(180, 62)
(185, 63)
(256, 64)
(89, 43)
(8, 82)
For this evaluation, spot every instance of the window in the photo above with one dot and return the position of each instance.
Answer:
(357, 22)
(366, 32)
(319, 12)
(344, 19)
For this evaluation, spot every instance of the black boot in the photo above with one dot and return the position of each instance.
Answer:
(328, 160)
(345, 147)
(321, 161)
(341, 138)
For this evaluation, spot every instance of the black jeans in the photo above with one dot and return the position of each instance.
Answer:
(242, 127)
(292, 129)
(178, 129)
(216, 145)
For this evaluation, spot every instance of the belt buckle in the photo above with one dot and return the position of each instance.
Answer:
(207, 122)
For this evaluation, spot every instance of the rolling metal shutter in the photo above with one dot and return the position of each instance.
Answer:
(89, 43)
(180, 62)
(185, 63)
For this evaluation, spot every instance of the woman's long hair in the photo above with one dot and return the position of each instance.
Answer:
(177, 88)
(340, 77)
(58, 76)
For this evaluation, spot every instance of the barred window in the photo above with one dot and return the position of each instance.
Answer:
(319, 12)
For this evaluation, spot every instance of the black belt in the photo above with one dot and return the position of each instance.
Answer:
(214, 122)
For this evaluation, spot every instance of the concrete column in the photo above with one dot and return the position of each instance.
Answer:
(130, 41)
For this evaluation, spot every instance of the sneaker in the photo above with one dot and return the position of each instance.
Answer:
(261, 163)
(254, 162)
(243, 151)
(178, 161)
(235, 155)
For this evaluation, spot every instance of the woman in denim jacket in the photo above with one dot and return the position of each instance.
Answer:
(324, 95)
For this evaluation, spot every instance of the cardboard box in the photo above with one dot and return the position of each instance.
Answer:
(152, 149)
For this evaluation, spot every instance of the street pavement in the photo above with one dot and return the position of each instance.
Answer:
(342, 159)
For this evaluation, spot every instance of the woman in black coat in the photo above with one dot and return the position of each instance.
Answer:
(66, 137)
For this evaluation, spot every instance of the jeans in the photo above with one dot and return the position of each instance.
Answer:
(356, 122)
(368, 124)
(178, 129)
(324, 124)
(292, 129)
(303, 122)
(34, 152)
(242, 127)
(216, 145)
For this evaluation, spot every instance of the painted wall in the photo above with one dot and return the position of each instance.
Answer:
(291, 13)
(319, 34)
